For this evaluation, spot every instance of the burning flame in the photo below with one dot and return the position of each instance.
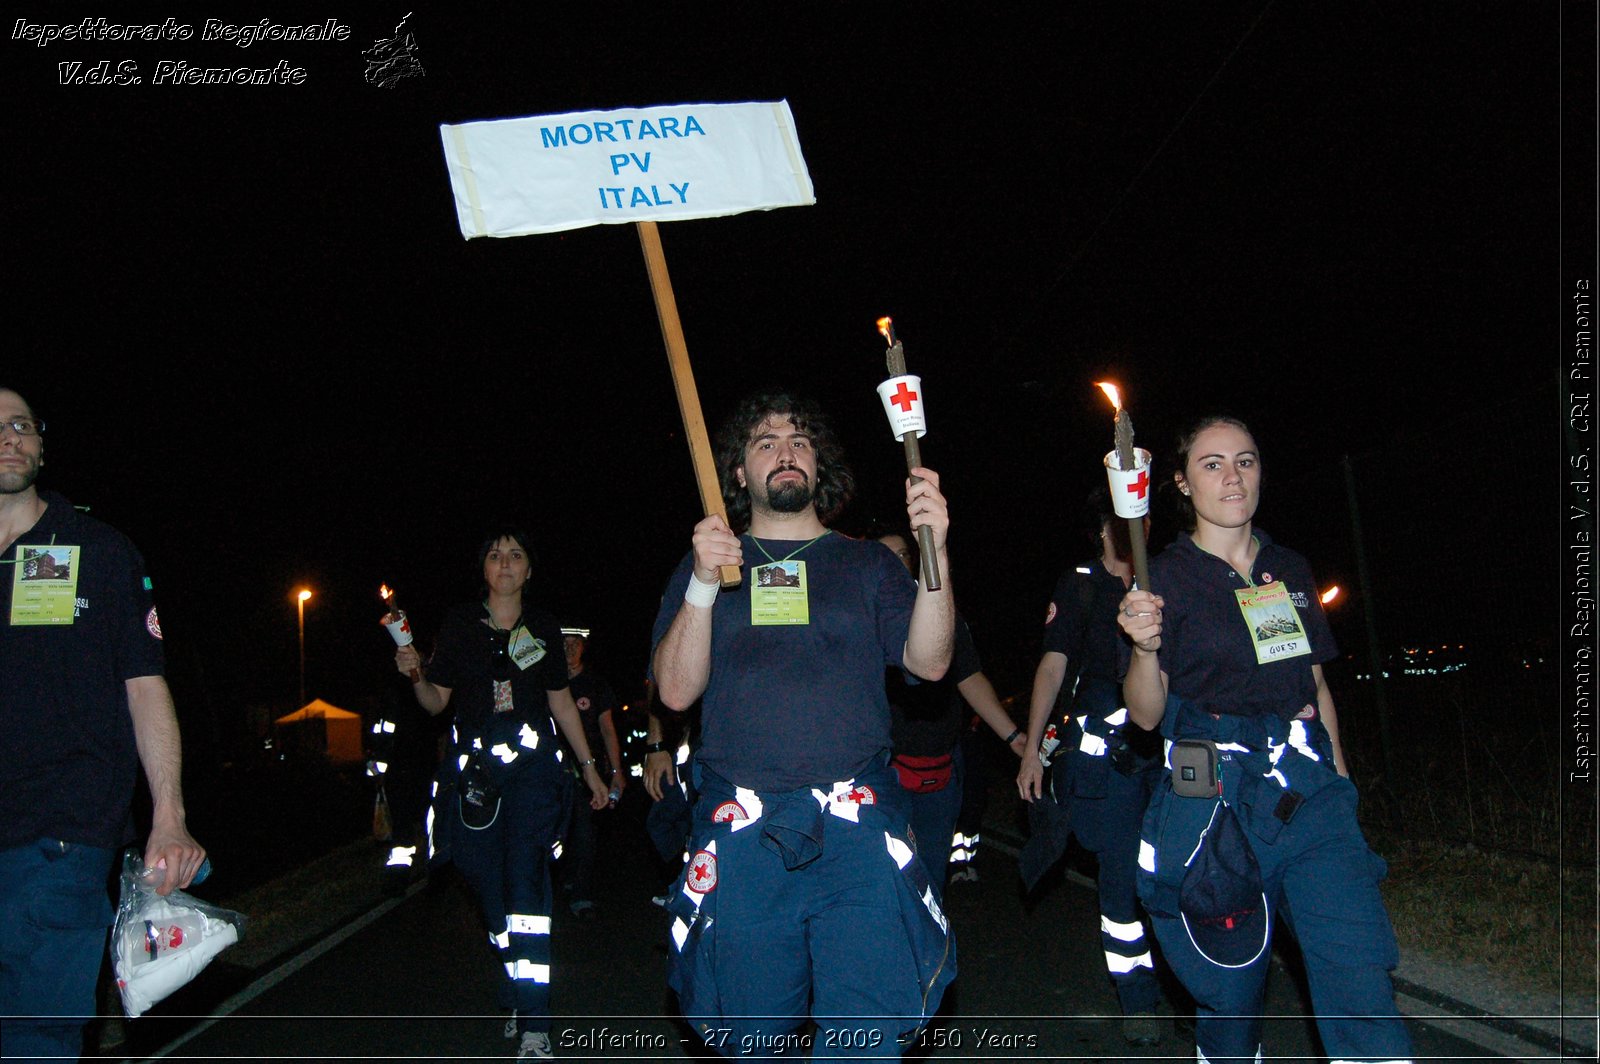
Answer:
(1111, 393)
(1330, 594)
(384, 593)
(886, 327)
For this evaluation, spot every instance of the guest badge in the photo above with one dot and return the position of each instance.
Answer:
(1274, 624)
(523, 647)
(44, 586)
(778, 594)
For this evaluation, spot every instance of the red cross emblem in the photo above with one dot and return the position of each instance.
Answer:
(861, 796)
(702, 877)
(1142, 485)
(903, 398)
(729, 811)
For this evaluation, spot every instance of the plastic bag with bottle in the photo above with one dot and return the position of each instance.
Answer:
(159, 944)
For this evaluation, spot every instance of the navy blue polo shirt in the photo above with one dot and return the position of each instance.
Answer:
(1206, 649)
(1081, 623)
(67, 756)
(469, 656)
(593, 696)
(791, 706)
(927, 719)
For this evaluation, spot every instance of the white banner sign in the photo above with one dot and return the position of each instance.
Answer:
(544, 174)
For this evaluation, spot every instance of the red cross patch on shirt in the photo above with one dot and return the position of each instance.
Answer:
(702, 875)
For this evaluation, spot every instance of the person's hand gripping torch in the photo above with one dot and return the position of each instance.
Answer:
(902, 402)
(399, 627)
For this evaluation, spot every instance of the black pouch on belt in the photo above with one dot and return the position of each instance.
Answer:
(1195, 771)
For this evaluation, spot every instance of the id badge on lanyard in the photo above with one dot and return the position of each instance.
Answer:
(44, 586)
(778, 594)
(1273, 622)
(524, 649)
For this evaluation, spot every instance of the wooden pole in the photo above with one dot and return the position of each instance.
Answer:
(694, 422)
(895, 360)
(1123, 437)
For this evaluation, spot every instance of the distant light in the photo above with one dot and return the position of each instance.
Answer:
(303, 594)
(1330, 594)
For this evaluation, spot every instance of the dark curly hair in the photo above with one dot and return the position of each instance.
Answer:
(835, 483)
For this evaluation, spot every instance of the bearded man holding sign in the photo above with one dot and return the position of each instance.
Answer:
(802, 884)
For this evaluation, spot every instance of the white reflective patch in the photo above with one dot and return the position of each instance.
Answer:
(932, 905)
(683, 754)
(1121, 932)
(1119, 718)
(1147, 856)
(637, 772)
(898, 850)
(429, 825)
(1085, 570)
(961, 856)
(555, 849)
(1117, 964)
(381, 766)
(1235, 747)
(455, 736)
(502, 940)
(503, 752)
(1300, 739)
(1276, 775)
(461, 762)
(1092, 745)
(560, 757)
(377, 727)
(749, 802)
(525, 970)
(387, 726)
(1201, 1058)
(400, 856)
(528, 737)
(519, 924)
(680, 932)
(477, 744)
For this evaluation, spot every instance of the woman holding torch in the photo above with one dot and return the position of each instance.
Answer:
(1257, 809)
(502, 792)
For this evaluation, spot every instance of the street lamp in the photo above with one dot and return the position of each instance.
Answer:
(300, 606)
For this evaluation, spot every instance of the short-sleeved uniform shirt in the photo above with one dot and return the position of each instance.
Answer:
(1081, 624)
(927, 718)
(1206, 647)
(593, 695)
(799, 705)
(67, 756)
(470, 657)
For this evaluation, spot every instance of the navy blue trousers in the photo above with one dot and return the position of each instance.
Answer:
(507, 864)
(1317, 873)
(55, 909)
(793, 906)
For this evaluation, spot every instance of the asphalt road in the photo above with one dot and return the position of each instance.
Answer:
(415, 980)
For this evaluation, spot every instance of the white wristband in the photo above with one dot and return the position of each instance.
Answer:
(699, 594)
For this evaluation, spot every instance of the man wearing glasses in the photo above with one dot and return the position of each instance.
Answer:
(83, 704)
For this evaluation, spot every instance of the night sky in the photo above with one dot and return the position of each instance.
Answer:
(264, 350)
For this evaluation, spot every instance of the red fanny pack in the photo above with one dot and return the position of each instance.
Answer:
(924, 775)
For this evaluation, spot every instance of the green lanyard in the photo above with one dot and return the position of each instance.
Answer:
(791, 554)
